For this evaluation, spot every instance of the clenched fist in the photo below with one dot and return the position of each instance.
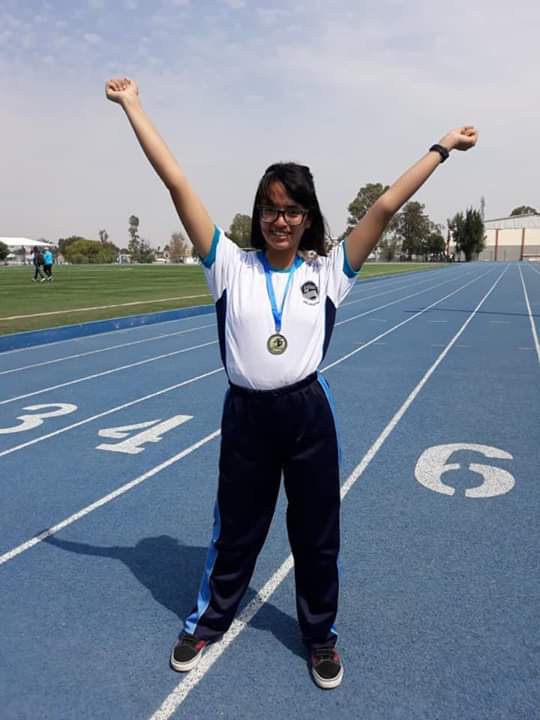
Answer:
(462, 138)
(121, 90)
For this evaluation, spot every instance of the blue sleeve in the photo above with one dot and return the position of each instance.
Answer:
(209, 260)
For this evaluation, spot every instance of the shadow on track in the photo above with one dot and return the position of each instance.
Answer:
(172, 572)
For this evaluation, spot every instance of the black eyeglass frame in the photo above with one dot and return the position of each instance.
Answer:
(282, 211)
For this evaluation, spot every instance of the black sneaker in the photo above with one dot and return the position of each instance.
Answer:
(326, 668)
(187, 652)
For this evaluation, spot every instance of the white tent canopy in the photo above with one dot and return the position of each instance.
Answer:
(13, 242)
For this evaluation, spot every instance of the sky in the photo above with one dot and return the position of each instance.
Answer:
(356, 90)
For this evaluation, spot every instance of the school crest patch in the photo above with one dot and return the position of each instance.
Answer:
(310, 293)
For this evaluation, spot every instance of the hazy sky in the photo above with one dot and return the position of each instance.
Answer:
(356, 90)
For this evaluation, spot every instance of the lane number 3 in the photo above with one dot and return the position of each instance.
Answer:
(36, 418)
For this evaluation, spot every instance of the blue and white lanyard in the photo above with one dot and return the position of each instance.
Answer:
(270, 290)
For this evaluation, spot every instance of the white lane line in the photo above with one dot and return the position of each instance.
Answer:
(533, 269)
(135, 342)
(409, 274)
(106, 349)
(107, 372)
(104, 307)
(108, 412)
(182, 690)
(173, 387)
(104, 500)
(160, 337)
(114, 331)
(395, 288)
(533, 326)
(195, 347)
(374, 449)
(394, 302)
(133, 402)
(403, 322)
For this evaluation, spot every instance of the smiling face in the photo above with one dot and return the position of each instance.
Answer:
(282, 238)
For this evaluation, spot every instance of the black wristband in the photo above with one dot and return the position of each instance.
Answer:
(443, 152)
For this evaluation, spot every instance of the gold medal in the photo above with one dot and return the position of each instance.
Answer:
(276, 344)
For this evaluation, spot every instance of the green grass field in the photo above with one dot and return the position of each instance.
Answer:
(78, 292)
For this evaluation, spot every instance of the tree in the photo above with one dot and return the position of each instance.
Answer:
(364, 199)
(4, 251)
(110, 249)
(366, 196)
(524, 210)
(89, 251)
(178, 247)
(413, 229)
(435, 243)
(468, 233)
(134, 242)
(388, 247)
(64, 243)
(146, 253)
(240, 230)
(103, 236)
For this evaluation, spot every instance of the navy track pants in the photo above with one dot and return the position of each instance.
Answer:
(267, 433)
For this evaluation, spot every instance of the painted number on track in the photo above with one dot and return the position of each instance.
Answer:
(152, 431)
(433, 463)
(35, 419)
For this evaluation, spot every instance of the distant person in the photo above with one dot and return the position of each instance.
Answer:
(48, 263)
(37, 260)
(276, 310)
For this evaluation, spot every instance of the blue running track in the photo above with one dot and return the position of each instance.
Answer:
(108, 464)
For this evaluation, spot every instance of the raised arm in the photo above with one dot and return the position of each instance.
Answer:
(191, 210)
(367, 233)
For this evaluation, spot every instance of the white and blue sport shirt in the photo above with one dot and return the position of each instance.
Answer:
(237, 281)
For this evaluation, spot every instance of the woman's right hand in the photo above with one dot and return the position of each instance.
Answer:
(121, 90)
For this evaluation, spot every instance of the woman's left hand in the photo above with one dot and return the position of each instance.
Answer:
(462, 138)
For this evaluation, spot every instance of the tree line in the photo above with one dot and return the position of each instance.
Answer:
(410, 234)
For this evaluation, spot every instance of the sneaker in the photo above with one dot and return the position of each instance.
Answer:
(187, 652)
(326, 668)
(42, 279)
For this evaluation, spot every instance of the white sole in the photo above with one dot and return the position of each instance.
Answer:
(185, 666)
(328, 684)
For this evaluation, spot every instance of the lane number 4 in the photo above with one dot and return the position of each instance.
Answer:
(152, 431)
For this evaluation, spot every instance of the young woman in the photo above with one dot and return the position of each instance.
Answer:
(275, 314)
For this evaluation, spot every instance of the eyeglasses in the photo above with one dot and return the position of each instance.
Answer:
(292, 215)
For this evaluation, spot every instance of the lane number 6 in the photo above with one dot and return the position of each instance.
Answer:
(433, 463)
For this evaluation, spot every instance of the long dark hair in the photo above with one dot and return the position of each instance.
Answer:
(298, 183)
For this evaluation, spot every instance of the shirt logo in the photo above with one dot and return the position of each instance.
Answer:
(310, 293)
